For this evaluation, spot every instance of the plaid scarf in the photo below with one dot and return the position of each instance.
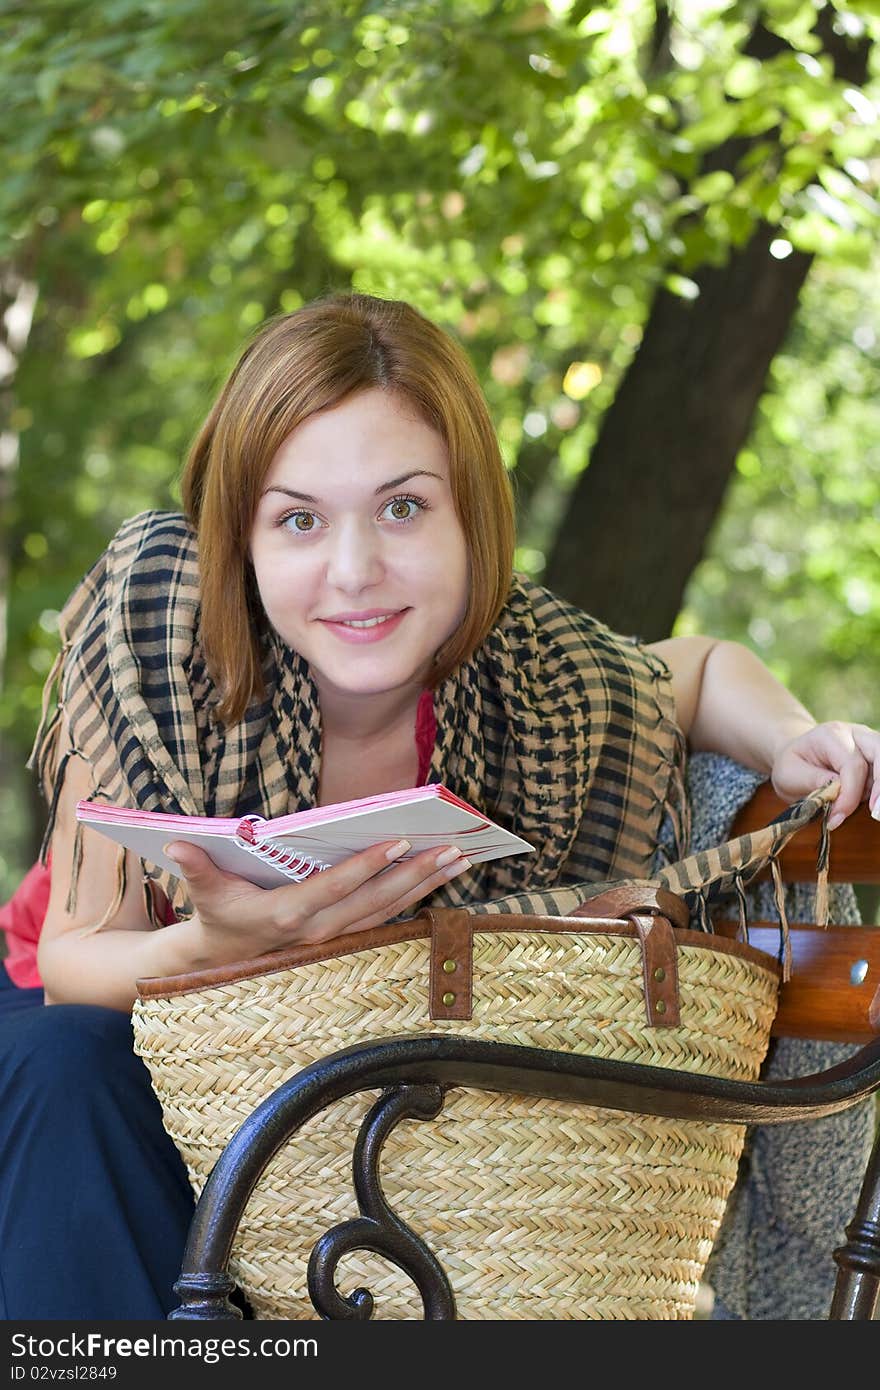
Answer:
(556, 727)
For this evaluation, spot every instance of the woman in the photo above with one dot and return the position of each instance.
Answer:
(334, 617)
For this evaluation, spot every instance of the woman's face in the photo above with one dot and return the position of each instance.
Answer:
(356, 523)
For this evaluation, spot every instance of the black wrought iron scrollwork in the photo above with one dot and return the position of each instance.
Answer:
(379, 1229)
(428, 1065)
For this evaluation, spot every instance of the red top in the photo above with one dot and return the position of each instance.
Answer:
(22, 921)
(22, 917)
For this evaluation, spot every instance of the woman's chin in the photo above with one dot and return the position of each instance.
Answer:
(365, 685)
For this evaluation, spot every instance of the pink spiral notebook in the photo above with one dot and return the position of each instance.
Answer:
(268, 852)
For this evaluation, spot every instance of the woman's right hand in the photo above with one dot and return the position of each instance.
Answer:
(235, 920)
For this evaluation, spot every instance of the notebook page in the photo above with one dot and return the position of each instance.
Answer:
(428, 823)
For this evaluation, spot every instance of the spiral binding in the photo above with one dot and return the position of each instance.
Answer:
(293, 863)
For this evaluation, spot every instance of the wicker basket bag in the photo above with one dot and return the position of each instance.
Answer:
(535, 1208)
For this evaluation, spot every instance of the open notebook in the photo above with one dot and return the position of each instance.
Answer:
(291, 847)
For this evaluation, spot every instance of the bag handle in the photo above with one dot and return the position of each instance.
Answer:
(450, 989)
(627, 898)
(652, 911)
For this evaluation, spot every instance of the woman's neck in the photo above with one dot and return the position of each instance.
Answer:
(359, 719)
(368, 748)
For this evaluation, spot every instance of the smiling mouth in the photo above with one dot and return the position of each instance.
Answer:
(364, 622)
(369, 620)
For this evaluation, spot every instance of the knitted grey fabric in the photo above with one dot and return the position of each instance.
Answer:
(798, 1183)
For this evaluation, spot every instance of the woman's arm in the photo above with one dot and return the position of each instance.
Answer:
(234, 920)
(77, 964)
(728, 702)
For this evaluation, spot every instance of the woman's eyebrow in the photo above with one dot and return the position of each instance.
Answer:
(405, 477)
(383, 487)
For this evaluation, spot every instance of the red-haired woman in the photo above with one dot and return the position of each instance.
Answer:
(334, 615)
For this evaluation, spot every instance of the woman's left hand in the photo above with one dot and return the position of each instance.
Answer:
(849, 753)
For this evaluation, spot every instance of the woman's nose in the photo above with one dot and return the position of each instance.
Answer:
(355, 560)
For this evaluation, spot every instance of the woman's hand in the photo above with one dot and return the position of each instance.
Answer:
(728, 702)
(849, 753)
(234, 920)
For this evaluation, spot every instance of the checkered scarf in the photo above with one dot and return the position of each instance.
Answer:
(557, 728)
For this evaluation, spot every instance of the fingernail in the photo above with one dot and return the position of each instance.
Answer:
(447, 856)
(397, 850)
(835, 820)
(875, 810)
(457, 868)
(170, 854)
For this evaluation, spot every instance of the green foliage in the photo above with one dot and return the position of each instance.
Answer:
(792, 566)
(526, 173)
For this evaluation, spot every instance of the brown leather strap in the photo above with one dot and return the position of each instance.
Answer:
(660, 970)
(636, 897)
(452, 962)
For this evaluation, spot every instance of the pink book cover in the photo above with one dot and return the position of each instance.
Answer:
(268, 852)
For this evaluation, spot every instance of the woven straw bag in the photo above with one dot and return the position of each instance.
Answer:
(535, 1208)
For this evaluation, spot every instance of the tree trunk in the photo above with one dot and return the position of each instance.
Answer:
(640, 513)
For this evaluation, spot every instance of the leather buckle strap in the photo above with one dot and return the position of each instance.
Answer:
(452, 963)
(659, 969)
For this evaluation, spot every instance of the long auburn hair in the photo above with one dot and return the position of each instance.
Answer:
(295, 366)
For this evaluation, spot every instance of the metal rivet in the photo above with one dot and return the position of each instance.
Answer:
(660, 1006)
(449, 966)
(858, 972)
(449, 999)
(660, 973)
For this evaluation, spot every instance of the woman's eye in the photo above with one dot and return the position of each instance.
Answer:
(300, 521)
(403, 508)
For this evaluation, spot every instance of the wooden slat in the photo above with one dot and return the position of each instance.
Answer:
(855, 845)
(821, 1000)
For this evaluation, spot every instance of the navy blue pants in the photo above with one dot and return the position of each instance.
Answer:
(94, 1199)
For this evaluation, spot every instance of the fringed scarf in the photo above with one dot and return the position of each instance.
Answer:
(556, 727)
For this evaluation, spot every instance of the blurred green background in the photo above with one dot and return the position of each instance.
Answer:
(653, 226)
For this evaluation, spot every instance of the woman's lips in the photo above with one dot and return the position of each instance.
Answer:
(359, 635)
